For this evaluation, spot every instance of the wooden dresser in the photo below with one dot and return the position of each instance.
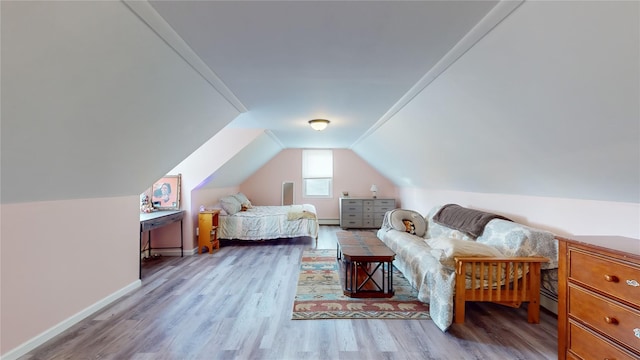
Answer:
(364, 212)
(599, 298)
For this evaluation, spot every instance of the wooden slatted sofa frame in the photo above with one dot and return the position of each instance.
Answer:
(445, 282)
(509, 289)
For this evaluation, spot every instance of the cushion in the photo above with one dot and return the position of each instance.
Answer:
(416, 222)
(243, 200)
(230, 204)
(445, 249)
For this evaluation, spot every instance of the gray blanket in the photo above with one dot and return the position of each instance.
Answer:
(469, 221)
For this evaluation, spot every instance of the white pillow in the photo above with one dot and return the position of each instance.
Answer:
(242, 199)
(230, 204)
(397, 217)
(445, 249)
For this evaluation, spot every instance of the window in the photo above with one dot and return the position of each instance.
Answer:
(317, 173)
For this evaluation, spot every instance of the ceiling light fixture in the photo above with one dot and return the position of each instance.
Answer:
(319, 124)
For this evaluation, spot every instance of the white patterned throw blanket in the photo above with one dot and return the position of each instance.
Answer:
(270, 222)
(436, 283)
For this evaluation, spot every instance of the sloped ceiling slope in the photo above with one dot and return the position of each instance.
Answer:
(246, 162)
(544, 110)
(348, 61)
(95, 104)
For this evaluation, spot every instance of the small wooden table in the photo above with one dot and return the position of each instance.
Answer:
(208, 230)
(367, 267)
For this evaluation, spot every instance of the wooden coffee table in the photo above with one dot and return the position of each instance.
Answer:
(367, 267)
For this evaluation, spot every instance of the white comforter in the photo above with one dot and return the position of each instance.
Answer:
(270, 222)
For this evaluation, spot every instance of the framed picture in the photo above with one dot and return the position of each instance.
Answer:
(165, 193)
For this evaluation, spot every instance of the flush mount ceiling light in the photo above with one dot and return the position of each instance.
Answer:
(319, 124)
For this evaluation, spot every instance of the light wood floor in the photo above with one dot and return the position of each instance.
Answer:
(236, 304)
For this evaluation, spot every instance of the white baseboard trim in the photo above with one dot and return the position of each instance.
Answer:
(67, 323)
(172, 252)
(329, 221)
(549, 303)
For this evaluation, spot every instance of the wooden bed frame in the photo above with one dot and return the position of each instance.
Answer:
(513, 289)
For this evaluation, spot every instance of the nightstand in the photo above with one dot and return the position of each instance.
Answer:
(208, 230)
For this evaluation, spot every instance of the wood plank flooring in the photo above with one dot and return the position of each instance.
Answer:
(236, 304)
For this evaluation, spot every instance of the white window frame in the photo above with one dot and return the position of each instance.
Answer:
(314, 172)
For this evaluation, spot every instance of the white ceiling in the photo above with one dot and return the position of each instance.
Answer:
(466, 96)
(291, 61)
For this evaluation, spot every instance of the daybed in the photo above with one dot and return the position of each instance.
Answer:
(240, 220)
(500, 259)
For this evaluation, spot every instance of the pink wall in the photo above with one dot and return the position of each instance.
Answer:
(351, 173)
(169, 236)
(60, 258)
(195, 169)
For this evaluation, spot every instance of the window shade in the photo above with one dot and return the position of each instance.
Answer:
(317, 164)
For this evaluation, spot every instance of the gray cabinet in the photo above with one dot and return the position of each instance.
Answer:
(364, 212)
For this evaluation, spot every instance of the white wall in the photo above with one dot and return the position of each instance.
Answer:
(540, 120)
(95, 107)
(564, 217)
(95, 104)
(546, 104)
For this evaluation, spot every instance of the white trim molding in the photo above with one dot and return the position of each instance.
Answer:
(69, 322)
(150, 16)
(482, 28)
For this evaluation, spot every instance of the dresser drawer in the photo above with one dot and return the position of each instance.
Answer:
(586, 345)
(347, 202)
(385, 202)
(351, 223)
(352, 216)
(352, 210)
(382, 208)
(609, 276)
(605, 315)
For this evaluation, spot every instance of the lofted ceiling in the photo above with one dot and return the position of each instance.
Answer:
(346, 61)
(472, 96)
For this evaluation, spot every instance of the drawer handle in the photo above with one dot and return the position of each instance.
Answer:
(611, 320)
(611, 278)
(636, 332)
(633, 283)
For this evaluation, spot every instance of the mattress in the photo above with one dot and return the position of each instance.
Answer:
(270, 222)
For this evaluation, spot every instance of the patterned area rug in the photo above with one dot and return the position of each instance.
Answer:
(319, 294)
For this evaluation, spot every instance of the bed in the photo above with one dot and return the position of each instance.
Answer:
(249, 222)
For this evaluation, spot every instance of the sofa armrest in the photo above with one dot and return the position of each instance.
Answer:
(504, 280)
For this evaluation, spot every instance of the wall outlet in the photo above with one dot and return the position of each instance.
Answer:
(197, 231)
